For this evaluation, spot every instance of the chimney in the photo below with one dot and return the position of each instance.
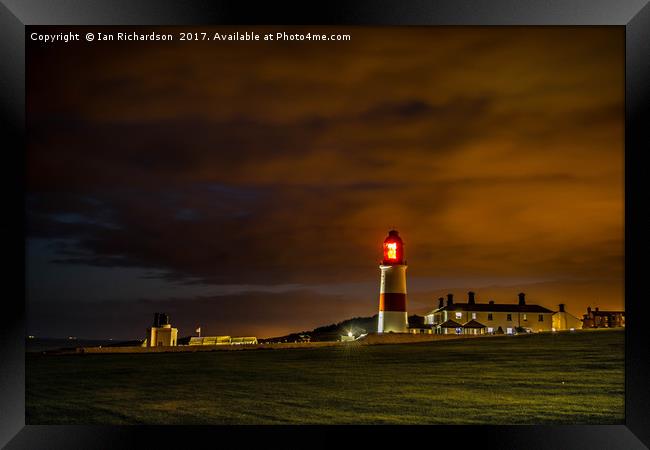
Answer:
(522, 299)
(491, 302)
(450, 299)
(561, 305)
(596, 308)
(588, 309)
(470, 298)
(156, 319)
(441, 302)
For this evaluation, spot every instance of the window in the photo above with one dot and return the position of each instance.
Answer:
(459, 315)
(509, 318)
(541, 318)
(489, 316)
(525, 317)
(473, 315)
(490, 330)
(509, 330)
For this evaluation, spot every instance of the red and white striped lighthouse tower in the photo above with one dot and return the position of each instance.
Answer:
(392, 289)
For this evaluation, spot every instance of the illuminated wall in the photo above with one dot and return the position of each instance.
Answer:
(562, 320)
(164, 336)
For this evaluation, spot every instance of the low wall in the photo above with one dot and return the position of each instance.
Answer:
(409, 338)
(370, 339)
(204, 348)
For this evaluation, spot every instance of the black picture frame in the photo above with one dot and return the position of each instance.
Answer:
(15, 15)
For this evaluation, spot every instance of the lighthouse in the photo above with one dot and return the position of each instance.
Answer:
(392, 287)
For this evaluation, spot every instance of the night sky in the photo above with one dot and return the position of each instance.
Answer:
(246, 187)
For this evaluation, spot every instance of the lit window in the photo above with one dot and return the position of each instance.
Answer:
(473, 315)
(490, 330)
(509, 330)
(509, 318)
(525, 317)
(459, 315)
(541, 317)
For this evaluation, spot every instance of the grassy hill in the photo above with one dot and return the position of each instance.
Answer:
(546, 378)
(333, 332)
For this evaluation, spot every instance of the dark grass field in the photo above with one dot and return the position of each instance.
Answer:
(575, 378)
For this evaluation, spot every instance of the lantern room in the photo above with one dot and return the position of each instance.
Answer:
(393, 249)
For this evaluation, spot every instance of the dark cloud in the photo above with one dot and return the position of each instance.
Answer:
(495, 153)
(402, 110)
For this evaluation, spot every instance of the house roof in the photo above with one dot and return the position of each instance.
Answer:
(473, 324)
(493, 307)
(450, 324)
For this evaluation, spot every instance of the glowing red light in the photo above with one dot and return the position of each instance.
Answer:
(391, 250)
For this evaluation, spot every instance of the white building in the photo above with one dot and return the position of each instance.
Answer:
(488, 318)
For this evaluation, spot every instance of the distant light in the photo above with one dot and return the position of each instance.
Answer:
(350, 334)
(572, 329)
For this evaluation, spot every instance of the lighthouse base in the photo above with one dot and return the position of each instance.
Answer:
(392, 322)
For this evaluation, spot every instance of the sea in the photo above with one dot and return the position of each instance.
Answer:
(38, 345)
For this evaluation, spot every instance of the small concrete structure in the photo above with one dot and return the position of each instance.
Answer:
(161, 334)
